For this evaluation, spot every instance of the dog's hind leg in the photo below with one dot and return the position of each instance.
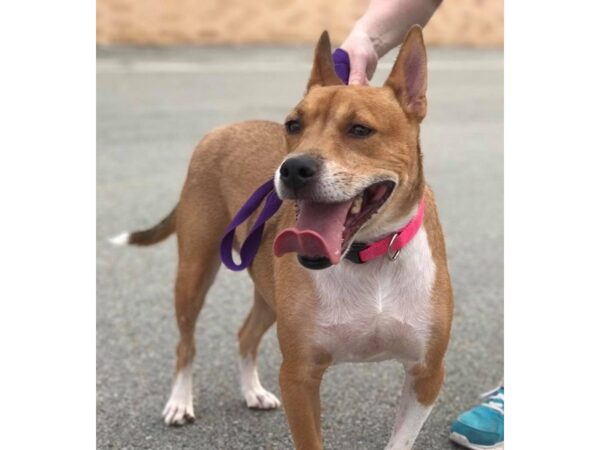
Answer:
(260, 318)
(198, 265)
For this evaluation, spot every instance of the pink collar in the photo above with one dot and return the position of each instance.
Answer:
(391, 245)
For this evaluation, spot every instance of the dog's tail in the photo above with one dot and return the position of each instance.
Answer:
(154, 235)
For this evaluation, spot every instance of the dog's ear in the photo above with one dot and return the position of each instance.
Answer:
(408, 78)
(323, 72)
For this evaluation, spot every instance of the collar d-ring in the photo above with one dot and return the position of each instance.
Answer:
(393, 256)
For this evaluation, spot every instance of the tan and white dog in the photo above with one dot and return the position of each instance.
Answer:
(348, 165)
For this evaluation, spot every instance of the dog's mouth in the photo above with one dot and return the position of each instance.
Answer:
(324, 231)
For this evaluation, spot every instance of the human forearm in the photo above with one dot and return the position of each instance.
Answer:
(381, 28)
(386, 21)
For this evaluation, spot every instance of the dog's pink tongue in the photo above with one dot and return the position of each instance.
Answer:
(318, 231)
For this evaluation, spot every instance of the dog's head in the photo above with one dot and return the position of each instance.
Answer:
(354, 163)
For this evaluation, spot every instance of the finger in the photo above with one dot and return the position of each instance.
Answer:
(358, 68)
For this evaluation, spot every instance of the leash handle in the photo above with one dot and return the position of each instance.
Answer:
(341, 62)
(250, 246)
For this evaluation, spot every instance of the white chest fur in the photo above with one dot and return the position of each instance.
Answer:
(379, 310)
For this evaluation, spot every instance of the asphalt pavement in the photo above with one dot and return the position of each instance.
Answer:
(152, 108)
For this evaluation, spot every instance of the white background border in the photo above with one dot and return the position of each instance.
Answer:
(552, 271)
(47, 201)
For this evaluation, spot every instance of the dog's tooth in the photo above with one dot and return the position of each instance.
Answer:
(360, 202)
(356, 205)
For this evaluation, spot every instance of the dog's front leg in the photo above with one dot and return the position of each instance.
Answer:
(300, 382)
(420, 389)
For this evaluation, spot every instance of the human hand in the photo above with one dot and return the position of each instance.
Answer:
(363, 57)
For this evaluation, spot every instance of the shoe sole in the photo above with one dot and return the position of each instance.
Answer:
(462, 440)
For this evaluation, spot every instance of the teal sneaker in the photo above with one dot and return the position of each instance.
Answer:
(482, 427)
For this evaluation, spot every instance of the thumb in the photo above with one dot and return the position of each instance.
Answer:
(358, 70)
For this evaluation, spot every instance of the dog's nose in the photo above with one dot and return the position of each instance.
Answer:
(296, 172)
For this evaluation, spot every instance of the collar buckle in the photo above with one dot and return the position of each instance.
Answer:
(353, 254)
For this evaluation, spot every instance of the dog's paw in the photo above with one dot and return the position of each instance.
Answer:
(177, 413)
(260, 398)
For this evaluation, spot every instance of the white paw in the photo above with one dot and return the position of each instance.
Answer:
(178, 412)
(260, 398)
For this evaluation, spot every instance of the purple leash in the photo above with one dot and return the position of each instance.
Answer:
(341, 62)
(250, 246)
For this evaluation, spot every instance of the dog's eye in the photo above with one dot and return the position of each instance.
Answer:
(293, 126)
(360, 131)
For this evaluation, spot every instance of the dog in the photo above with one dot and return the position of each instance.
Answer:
(347, 164)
